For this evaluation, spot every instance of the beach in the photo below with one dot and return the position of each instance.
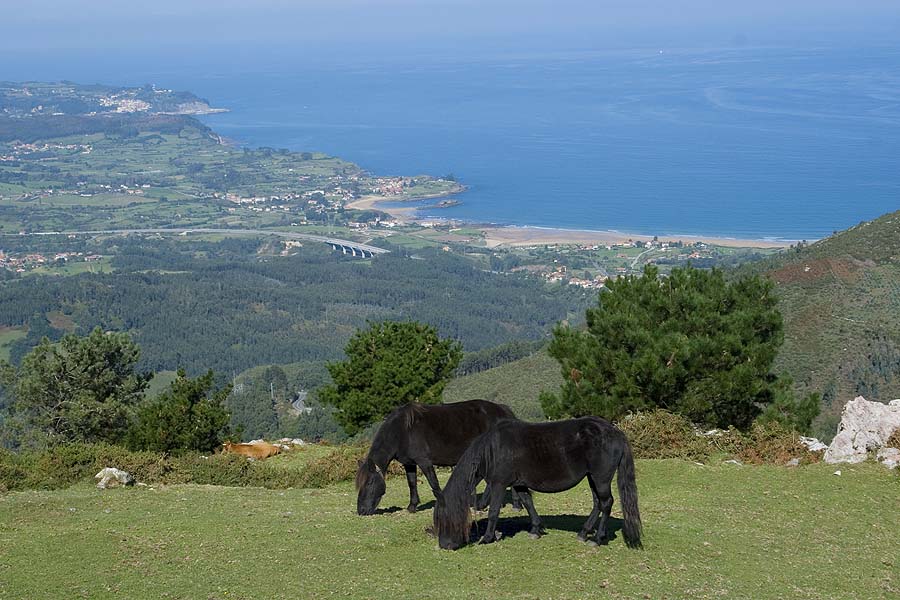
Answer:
(499, 236)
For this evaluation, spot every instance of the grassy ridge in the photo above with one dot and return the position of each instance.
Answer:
(711, 531)
(517, 384)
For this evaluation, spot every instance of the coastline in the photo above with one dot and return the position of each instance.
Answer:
(499, 236)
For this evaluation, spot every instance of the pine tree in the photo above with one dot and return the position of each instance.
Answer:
(692, 343)
(387, 365)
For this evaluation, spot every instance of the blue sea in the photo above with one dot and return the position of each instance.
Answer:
(742, 142)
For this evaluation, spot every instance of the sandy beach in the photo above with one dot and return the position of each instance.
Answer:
(511, 236)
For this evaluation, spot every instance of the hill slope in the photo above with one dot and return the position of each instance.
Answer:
(517, 384)
(840, 298)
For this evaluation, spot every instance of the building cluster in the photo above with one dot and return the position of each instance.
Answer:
(25, 262)
(18, 150)
(124, 104)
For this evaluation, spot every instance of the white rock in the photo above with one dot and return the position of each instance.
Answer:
(864, 426)
(794, 462)
(889, 457)
(110, 477)
(812, 444)
(292, 441)
(733, 462)
(838, 472)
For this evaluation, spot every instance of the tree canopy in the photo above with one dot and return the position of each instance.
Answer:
(189, 416)
(80, 389)
(693, 343)
(387, 365)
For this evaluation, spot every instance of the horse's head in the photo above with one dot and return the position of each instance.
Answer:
(370, 487)
(452, 524)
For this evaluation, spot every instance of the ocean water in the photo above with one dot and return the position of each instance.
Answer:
(746, 142)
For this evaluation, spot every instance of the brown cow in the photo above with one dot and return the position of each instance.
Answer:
(257, 451)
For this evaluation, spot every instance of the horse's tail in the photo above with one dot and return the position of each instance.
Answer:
(451, 513)
(628, 496)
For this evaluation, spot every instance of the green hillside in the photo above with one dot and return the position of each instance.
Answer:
(840, 298)
(516, 384)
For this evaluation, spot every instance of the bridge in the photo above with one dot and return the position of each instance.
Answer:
(345, 246)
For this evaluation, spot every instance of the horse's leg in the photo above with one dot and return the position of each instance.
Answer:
(537, 527)
(588, 526)
(516, 500)
(604, 493)
(413, 487)
(498, 490)
(482, 500)
(431, 476)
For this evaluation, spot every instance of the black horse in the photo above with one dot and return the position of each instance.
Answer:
(546, 457)
(425, 436)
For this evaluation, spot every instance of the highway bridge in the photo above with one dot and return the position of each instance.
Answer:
(345, 246)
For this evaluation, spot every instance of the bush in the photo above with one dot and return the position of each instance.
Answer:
(661, 434)
(894, 440)
(65, 465)
(773, 444)
(340, 465)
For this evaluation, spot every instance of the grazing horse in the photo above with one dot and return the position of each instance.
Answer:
(545, 457)
(425, 436)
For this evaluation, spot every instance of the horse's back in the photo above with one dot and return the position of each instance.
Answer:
(555, 455)
(444, 431)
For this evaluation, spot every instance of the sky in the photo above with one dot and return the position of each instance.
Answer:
(363, 26)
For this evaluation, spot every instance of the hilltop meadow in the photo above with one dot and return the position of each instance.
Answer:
(711, 531)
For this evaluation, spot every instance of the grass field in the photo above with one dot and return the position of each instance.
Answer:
(716, 531)
(517, 384)
(8, 335)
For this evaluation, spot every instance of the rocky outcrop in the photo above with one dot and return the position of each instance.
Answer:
(864, 426)
(111, 477)
(889, 457)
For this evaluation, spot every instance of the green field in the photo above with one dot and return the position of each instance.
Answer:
(8, 335)
(716, 531)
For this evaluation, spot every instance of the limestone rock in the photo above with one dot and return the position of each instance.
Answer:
(864, 426)
(111, 477)
(889, 457)
(812, 444)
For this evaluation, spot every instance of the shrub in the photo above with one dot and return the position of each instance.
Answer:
(894, 440)
(65, 465)
(773, 444)
(661, 434)
(340, 465)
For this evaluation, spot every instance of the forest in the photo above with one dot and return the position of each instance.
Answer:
(236, 303)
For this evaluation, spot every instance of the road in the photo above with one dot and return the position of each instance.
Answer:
(285, 234)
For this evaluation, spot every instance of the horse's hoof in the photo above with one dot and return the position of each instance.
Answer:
(411, 508)
(533, 535)
(582, 537)
(593, 543)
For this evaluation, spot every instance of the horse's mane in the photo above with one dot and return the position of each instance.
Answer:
(362, 474)
(411, 413)
(452, 515)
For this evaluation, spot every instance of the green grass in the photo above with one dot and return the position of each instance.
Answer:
(517, 384)
(8, 335)
(710, 532)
